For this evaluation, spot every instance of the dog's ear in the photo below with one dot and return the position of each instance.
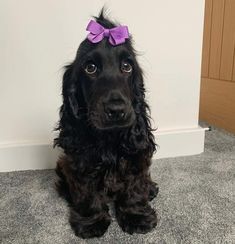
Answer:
(140, 137)
(70, 91)
(68, 111)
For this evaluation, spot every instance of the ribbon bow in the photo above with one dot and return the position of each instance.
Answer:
(116, 35)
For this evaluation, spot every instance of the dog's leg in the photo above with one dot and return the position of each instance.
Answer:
(89, 218)
(133, 211)
(89, 215)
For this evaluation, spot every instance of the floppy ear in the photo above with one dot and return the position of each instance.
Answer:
(140, 137)
(70, 91)
(69, 111)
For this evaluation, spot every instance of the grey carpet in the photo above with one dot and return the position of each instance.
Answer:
(196, 203)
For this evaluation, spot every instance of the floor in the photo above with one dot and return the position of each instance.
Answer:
(196, 203)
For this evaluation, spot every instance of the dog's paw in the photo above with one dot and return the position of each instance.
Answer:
(86, 231)
(141, 223)
(153, 191)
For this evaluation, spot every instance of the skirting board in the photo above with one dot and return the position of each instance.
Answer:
(31, 156)
(184, 142)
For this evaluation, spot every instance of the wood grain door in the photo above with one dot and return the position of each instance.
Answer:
(217, 100)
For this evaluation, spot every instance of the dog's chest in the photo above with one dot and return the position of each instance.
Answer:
(114, 178)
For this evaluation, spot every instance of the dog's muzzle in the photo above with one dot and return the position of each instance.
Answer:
(115, 111)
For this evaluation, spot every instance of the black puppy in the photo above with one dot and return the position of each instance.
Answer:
(105, 132)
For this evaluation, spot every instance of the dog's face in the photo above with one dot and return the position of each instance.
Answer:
(103, 88)
(106, 75)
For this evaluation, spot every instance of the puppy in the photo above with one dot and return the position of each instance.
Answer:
(105, 132)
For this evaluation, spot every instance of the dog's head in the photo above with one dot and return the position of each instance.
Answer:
(103, 91)
(104, 82)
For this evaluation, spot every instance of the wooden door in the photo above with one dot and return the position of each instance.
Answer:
(217, 100)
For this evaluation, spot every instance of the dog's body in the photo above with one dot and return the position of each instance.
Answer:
(106, 136)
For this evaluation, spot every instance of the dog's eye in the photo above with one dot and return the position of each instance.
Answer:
(90, 68)
(126, 67)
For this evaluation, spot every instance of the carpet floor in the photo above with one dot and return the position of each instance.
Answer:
(196, 203)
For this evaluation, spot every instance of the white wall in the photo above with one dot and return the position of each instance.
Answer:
(38, 37)
(168, 35)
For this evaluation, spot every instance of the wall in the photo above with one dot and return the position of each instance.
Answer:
(38, 37)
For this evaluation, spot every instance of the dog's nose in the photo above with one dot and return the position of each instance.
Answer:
(115, 106)
(115, 112)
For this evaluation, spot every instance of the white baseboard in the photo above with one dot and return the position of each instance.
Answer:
(31, 156)
(184, 142)
(28, 156)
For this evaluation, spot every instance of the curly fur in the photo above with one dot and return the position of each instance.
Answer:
(98, 165)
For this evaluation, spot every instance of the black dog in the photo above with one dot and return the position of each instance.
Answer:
(105, 132)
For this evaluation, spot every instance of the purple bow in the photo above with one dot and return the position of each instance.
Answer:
(116, 35)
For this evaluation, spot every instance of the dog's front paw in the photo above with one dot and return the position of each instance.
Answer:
(141, 221)
(88, 228)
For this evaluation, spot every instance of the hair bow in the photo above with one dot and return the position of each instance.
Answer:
(116, 35)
